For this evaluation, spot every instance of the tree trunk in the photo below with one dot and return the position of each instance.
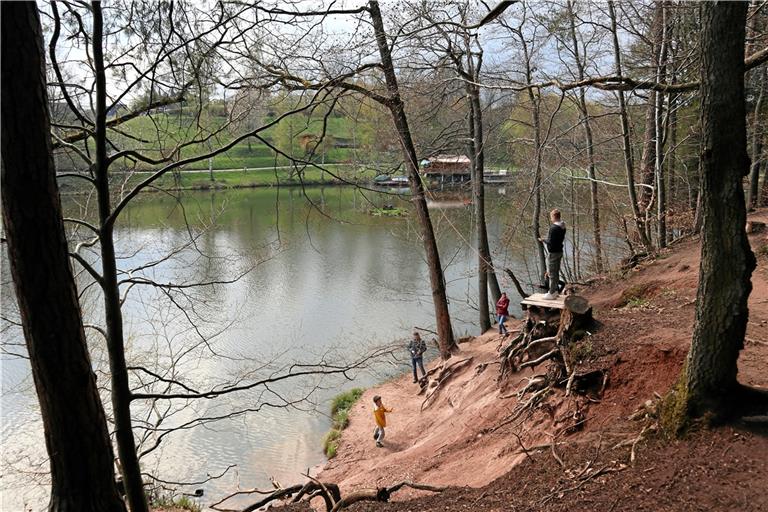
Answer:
(650, 155)
(757, 145)
(708, 381)
(482, 227)
(478, 202)
(397, 109)
(75, 427)
(626, 141)
(486, 273)
(121, 394)
(764, 190)
(535, 99)
(585, 120)
(661, 72)
(672, 159)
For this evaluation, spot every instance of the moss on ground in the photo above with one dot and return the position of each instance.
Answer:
(340, 407)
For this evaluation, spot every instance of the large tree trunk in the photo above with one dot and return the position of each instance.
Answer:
(708, 382)
(121, 394)
(397, 109)
(651, 153)
(478, 202)
(626, 138)
(587, 123)
(486, 273)
(75, 427)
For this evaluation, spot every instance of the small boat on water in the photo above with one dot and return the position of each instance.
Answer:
(446, 204)
(384, 180)
(500, 176)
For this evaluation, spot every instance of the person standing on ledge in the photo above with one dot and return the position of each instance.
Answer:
(554, 243)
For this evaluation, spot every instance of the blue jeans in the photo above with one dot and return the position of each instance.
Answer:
(501, 319)
(420, 361)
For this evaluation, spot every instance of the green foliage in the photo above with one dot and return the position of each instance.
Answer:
(340, 407)
(388, 212)
(637, 302)
(184, 180)
(637, 295)
(346, 400)
(582, 351)
(160, 502)
(331, 443)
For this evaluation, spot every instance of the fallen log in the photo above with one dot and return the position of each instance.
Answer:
(382, 494)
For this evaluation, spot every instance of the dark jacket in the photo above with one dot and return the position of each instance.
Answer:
(502, 305)
(416, 348)
(555, 237)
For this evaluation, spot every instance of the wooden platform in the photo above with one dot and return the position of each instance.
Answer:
(537, 299)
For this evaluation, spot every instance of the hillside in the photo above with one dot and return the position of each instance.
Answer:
(580, 452)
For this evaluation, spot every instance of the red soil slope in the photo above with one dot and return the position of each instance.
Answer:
(461, 440)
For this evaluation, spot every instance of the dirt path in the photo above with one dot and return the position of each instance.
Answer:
(647, 319)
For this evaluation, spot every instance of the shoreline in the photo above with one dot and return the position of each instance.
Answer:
(465, 441)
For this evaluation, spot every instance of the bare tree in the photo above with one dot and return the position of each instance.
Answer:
(76, 436)
(626, 138)
(174, 57)
(579, 50)
(462, 50)
(397, 109)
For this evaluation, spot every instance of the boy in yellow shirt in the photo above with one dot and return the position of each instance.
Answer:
(380, 415)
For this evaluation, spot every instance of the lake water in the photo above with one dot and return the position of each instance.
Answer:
(316, 278)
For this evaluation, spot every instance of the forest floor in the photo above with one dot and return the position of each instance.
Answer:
(572, 453)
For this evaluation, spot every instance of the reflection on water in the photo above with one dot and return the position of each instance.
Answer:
(328, 281)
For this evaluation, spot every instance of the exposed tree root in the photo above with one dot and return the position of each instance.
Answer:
(559, 493)
(528, 405)
(382, 494)
(331, 494)
(444, 373)
(536, 344)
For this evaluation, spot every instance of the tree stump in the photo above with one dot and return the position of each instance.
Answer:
(576, 316)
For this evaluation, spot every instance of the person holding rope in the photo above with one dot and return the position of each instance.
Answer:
(554, 244)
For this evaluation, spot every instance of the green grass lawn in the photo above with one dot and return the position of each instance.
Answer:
(240, 179)
(160, 133)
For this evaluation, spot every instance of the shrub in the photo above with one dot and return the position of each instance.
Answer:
(345, 400)
(340, 407)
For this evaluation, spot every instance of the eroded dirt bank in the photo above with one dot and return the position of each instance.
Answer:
(573, 453)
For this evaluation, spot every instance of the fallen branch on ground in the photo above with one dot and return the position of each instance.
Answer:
(602, 471)
(383, 494)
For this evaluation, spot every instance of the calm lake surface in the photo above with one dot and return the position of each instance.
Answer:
(315, 278)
